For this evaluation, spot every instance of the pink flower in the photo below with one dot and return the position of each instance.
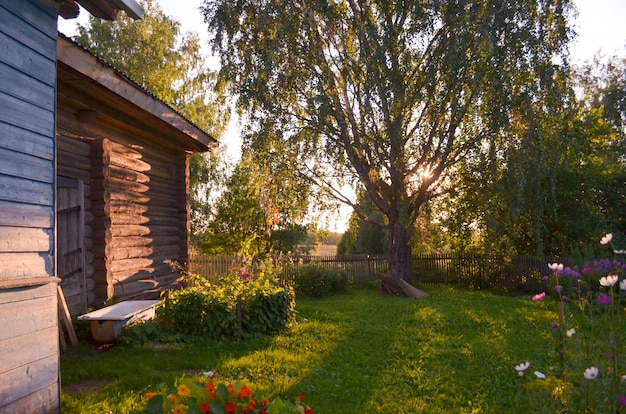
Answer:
(539, 296)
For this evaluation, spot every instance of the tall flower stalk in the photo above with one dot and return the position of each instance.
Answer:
(589, 371)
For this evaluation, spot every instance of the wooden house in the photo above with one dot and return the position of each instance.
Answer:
(114, 182)
(122, 167)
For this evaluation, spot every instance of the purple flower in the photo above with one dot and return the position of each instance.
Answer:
(545, 278)
(558, 288)
(586, 270)
(539, 296)
(555, 326)
(610, 355)
(621, 399)
(603, 299)
(571, 272)
(565, 298)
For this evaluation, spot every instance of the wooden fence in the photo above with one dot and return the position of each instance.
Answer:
(519, 273)
(212, 266)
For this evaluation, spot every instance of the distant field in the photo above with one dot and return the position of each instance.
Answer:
(326, 250)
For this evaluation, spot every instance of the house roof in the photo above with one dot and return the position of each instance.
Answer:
(107, 9)
(92, 75)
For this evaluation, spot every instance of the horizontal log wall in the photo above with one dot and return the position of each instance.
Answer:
(143, 218)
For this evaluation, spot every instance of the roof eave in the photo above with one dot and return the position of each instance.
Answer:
(107, 9)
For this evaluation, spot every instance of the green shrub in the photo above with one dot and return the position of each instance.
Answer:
(234, 308)
(319, 281)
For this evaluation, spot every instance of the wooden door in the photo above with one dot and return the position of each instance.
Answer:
(71, 243)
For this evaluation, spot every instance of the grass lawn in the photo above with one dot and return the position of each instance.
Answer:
(361, 352)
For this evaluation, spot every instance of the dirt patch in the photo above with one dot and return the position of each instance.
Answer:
(163, 346)
(85, 386)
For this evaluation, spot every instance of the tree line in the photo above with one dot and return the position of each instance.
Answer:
(455, 126)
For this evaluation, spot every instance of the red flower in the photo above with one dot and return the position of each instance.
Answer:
(230, 407)
(300, 396)
(244, 392)
(252, 404)
(204, 407)
(232, 389)
(209, 385)
(308, 410)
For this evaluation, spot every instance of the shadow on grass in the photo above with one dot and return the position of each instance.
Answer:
(450, 352)
(365, 351)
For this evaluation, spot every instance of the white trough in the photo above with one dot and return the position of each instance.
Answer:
(107, 323)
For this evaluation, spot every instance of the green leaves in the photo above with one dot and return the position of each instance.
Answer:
(233, 309)
(375, 94)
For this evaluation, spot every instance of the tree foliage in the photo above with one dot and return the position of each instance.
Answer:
(260, 212)
(166, 61)
(392, 96)
(558, 178)
(364, 235)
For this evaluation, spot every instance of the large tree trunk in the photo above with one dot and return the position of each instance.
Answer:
(400, 261)
(397, 281)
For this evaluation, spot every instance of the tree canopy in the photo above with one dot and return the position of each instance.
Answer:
(558, 180)
(390, 97)
(260, 212)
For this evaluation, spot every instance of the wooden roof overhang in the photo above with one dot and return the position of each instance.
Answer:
(104, 9)
(97, 91)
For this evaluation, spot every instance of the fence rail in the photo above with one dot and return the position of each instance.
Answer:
(519, 273)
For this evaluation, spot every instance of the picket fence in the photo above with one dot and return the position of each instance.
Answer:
(522, 274)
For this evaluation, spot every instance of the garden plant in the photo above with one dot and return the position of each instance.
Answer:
(367, 351)
(588, 373)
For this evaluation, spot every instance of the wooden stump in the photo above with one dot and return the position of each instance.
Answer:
(399, 287)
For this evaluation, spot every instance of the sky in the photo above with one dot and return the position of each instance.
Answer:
(600, 25)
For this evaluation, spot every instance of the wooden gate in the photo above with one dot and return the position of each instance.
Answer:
(71, 243)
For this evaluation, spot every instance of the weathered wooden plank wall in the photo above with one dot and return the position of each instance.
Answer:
(29, 351)
(134, 169)
(144, 203)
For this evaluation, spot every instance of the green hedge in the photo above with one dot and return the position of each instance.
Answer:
(319, 281)
(232, 309)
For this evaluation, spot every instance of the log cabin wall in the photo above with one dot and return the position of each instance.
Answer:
(130, 151)
(74, 163)
(136, 209)
(29, 342)
(143, 205)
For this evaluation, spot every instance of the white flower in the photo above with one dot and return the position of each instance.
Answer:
(591, 373)
(570, 332)
(540, 375)
(556, 267)
(606, 239)
(522, 367)
(619, 251)
(609, 280)
(622, 285)
(208, 373)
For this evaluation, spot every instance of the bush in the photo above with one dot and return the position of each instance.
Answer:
(236, 307)
(319, 281)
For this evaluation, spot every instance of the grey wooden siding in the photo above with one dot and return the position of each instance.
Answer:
(29, 351)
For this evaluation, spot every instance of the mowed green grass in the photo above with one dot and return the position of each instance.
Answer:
(361, 352)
